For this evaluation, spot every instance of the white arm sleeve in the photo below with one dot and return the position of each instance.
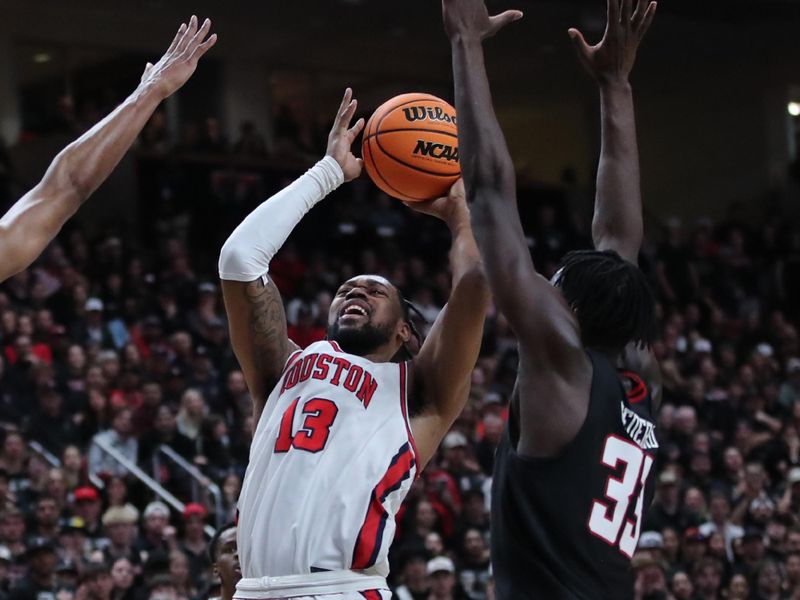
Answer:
(246, 254)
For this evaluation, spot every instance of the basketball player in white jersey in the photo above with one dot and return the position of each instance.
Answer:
(342, 427)
(78, 170)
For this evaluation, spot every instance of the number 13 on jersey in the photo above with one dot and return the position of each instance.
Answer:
(313, 434)
(608, 519)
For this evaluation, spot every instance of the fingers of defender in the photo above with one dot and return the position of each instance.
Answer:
(177, 38)
(198, 37)
(187, 35)
(499, 21)
(627, 10)
(613, 12)
(578, 41)
(647, 20)
(204, 47)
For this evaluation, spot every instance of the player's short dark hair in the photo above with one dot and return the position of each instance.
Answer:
(214, 543)
(611, 297)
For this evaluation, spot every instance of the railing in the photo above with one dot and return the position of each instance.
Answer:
(199, 481)
(151, 483)
(53, 461)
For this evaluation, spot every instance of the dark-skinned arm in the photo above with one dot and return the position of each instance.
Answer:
(443, 368)
(79, 169)
(617, 223)
(555, 371)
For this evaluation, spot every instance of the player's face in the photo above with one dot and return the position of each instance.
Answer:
(364, 314)
(227, 564)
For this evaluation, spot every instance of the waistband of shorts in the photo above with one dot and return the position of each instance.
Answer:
(310, 584)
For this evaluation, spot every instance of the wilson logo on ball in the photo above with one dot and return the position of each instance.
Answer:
(430, 113)
(436, 150)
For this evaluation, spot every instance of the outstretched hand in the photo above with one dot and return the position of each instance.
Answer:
(452, 209)
(342, 136)
(612, 59)
(180, 60)
(469, 19)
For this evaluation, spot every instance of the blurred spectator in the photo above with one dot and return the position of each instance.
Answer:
(118, 437)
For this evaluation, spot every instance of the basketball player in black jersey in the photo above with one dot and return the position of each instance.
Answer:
(78, 170)
(574, 471)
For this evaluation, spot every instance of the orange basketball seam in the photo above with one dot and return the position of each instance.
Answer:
(377, 133)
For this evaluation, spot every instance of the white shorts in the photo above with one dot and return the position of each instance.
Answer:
(367, 595)
(326, 585)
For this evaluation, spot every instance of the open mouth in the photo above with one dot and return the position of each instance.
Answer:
(354, 309)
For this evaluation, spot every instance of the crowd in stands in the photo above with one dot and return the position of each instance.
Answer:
(119, 338)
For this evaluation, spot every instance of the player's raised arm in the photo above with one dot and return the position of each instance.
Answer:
(535, 311)
(546, 328)
(617, 223)
(81, 167)
(255, 310)
(443, 367)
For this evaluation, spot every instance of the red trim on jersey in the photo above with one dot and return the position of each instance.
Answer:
(336, 346)
(638, 391)
(292, 357)
(404, 408)
(371, 594)
(370, 537)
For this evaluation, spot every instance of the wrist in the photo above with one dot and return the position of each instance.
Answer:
(614, 83)
(148, 93)
(464, 39)
(458, 221)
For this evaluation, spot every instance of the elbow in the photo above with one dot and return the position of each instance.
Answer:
(65, 179)
(494, 175)
(230, 257)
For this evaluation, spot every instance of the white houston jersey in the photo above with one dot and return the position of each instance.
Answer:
(331, 461)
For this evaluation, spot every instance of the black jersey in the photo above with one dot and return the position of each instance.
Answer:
(566, 527)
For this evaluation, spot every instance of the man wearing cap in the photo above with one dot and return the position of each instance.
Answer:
(194, 544)
(41, 576)
(459, 463)
(87, 506)
(92, 330)
(652, 542)
(72, 540)
(157, 534)
(666, 510)
(441, 571)
(120, 523)
(694, 546)
(224, 558)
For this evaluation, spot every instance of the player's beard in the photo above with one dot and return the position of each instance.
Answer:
(362, 340)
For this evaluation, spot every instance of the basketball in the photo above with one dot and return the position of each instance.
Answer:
(410, 147)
